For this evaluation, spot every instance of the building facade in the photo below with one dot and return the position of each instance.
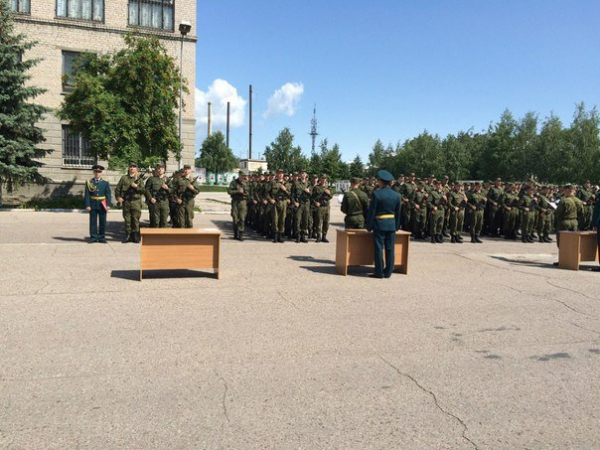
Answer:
(65, 28)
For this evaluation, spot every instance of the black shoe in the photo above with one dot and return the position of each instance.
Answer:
(241, 236)
(445, 234)
(303, 239)
(297, 239)
(318, 237)
(439, 239)
(459, 238)
(372, 275)
(275, 238)
(547, 239)
(453, 239)
(324, 239)
(477, 240)
(280, 238)
(473, 240)
(93, 241)
(102, 241)
(433, 240)
(129, 238)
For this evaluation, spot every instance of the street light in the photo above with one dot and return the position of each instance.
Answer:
(184, 29)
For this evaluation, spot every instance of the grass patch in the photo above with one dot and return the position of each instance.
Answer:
(66, 202)
(209, 188)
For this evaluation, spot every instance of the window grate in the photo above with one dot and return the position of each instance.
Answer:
(77, 152)
(81, 9)
(151, 14)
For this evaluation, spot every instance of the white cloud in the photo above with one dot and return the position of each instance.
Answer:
(285, 100)
(219, 93)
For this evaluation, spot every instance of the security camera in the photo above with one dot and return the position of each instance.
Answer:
(185, 27)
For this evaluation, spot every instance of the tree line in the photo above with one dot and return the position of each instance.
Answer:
(511, 149)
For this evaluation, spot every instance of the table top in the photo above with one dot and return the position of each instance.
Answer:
(364, 231)
(579, 232)
(211, 231)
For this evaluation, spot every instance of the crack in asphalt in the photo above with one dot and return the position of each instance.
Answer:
(545, 278)
(435, 401)
(546, 298)
(288, 301)
(223, 400)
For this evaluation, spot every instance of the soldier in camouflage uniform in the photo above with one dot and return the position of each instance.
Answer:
(437, 205)
(129, 191)
(238, 190)
(527, 205)
(510, 212)
(301, 192)
(314, 211)
(355, 205)
(587, 197)
(457, 202)
(279, 197)
(566, 213)
(185, 194)
(157, 198)
(493, 211)
(545, 216)
(407, 191)
(419, 211)
(477, 201)
(320, 197)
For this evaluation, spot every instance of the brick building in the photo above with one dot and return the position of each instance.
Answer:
(65, 28)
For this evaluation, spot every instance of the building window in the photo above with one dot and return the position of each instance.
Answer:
(75, 149)
(81, 9)
(68, 74)
(151, 14)
(20, 6)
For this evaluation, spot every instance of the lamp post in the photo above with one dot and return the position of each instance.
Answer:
(184, 29)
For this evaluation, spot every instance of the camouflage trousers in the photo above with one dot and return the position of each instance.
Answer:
(476, 222)
(159, 213)
(322, 225)
(186, 213)
(132, 211)
(457, 219)
(279, 210)
(239, 210)
(302, 216)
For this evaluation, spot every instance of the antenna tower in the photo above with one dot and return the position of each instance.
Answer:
(313, 128)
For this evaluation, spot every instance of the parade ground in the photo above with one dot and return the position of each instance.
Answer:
(484, 346)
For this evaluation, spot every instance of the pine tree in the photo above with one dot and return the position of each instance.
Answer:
(19, 134)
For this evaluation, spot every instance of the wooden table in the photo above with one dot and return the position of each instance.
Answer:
(180, 248)
(576, 246)
(354, 247)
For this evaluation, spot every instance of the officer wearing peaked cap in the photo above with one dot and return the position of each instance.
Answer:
(97, 202)
(384, 219)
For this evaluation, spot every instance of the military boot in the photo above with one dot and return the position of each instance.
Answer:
(318, 237)
(280, 238)
(473, 239)
(128, 238)
(453, 239)
(235, 232)
(433, 240)
(275, 238)
(298, 238)
(439, 238)
(324, 239)
(477, 240)
(303, 239)
(240, 236)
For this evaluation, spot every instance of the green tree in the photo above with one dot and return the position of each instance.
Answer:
(19, 136)
(331, 161)
(525, 158)
(457, 157)
(585, 142)
(357, 168)
(125, 104)
(282, 154)
(555, 158)
(499, 158)
(376, 157)
(215, 156)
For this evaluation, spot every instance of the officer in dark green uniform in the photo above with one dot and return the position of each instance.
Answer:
(384, 219)
(157, 198)
(238, 190)
(355, 205)
(129, 191)
(97, 202)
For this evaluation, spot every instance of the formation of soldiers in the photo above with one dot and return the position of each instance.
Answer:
(280, 206)
(296, 207)
(167, 198)
(437, 209)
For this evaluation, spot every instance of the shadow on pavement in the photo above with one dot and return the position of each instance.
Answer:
(311, 259)
(134, 275)
(520, 262)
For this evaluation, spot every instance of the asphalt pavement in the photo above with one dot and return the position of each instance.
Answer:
(484, 346)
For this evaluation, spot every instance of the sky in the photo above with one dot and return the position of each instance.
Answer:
(389, 69)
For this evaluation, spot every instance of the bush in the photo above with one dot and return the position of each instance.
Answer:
(65, 202)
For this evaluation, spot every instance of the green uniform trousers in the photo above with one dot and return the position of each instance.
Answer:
(186, 213)
(132, 211)
(476, 222)
(159, 213)
(239, 210)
